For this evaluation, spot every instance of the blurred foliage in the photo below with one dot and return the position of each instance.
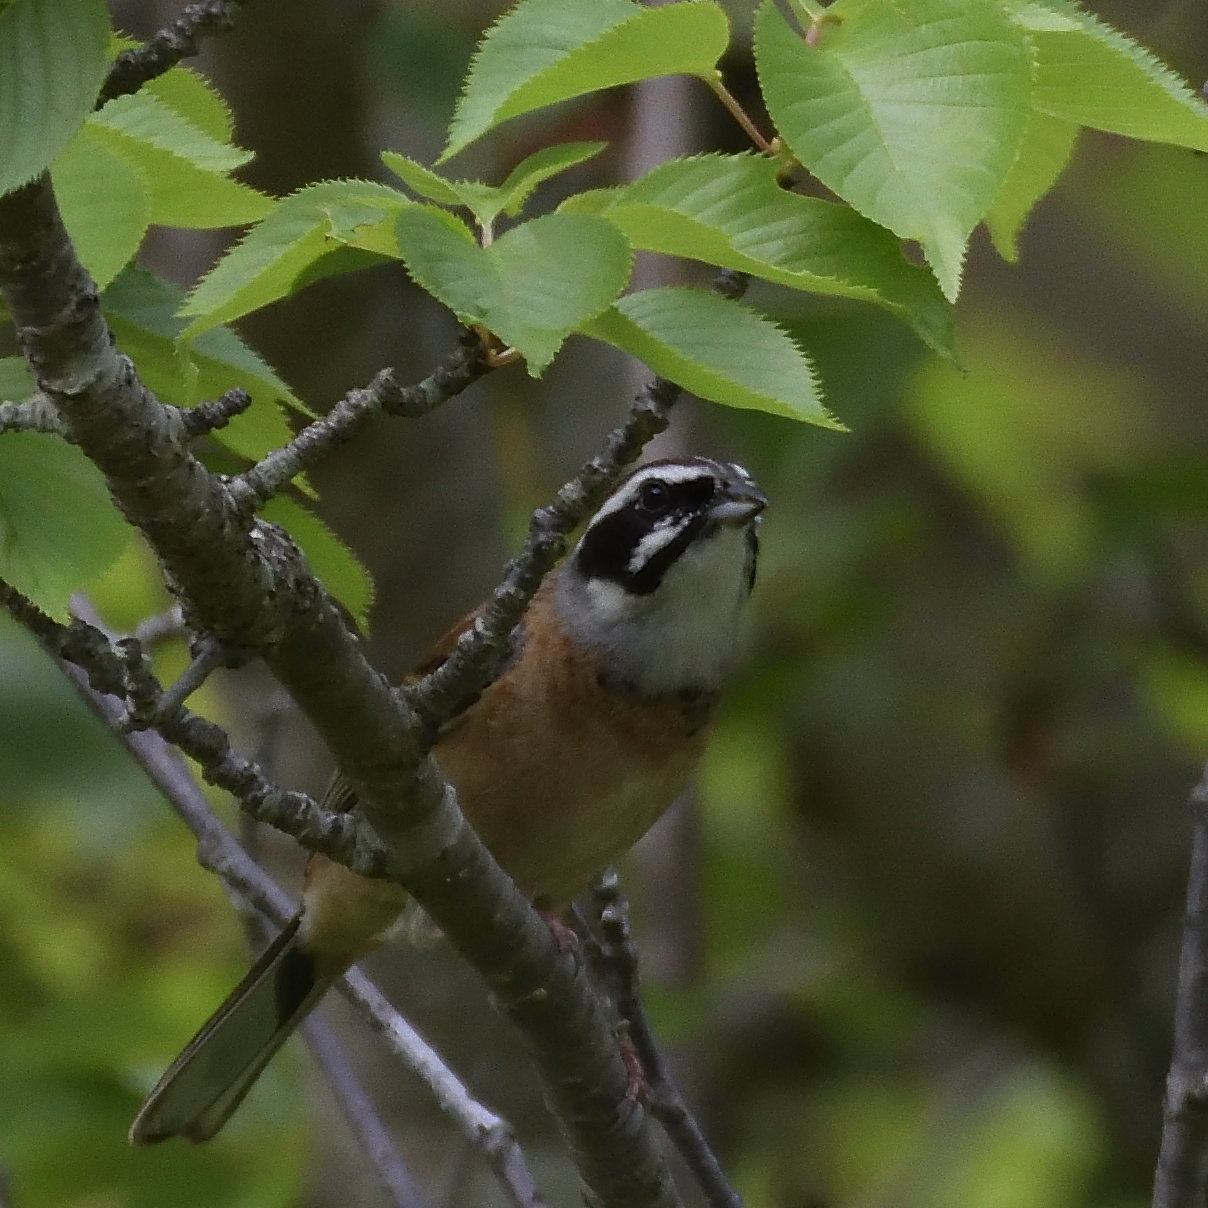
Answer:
(943, 828)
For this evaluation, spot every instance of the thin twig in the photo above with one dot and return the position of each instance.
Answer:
(1181, 1179)
(34, 414)
(215, 413)
(162, 627)
(180, 40)
(619, 957)
(465, 365)
(219, 852)
(361, 1115)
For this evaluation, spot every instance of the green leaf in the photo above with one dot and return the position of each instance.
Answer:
(542, 166)
(718, 349)
(16, 381)
(1048, 143)
(146, 118)
(53, 57)
(532, 287)
(104, 203)
(190, 94)
(185, 168)
(729, 211)
(486, 202)
(271, 260)
(58, 526)
(142, 310)
(483, 201)
(912, 113)
(331, 560)
(544, 51)
(1090, 73)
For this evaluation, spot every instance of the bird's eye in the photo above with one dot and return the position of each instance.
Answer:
(654, 497)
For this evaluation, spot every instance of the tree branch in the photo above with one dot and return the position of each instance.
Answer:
(219, 852)
(1181, 1179)
(619, 955)
(36, 414)
(246, 583)
(464, 366)
(133, 68)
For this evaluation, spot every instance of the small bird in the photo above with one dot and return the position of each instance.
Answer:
(590, 732)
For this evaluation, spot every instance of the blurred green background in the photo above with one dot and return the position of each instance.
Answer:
(913, 941)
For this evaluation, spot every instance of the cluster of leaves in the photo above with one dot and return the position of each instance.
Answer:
(924, 120)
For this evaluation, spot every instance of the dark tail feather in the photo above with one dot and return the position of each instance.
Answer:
(205, 1084)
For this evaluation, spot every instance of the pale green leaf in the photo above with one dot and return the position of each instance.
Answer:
(104, 203)
(53, 57)
(142, 310)
(16, 381)
(531, 287)
(332, 561)
(912, 113)
(275, 256)
(1048, 143)
(544, 51)
(192, 96)
(483, 201)
(542, 166)
(718, 349)
(1089, 73)
(185, 167)
(58, 526)
(729, 211)
(145, 117)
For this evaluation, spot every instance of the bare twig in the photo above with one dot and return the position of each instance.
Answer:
(219, 852)
(160, 628)
(1181, 1180)
(215, 413)
(619, 957)
(133, 68)
(35, 414)
(465, 365)
(359, 1111)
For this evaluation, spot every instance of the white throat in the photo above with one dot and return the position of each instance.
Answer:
(681, 636)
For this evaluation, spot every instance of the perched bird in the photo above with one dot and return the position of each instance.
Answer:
(562, 764)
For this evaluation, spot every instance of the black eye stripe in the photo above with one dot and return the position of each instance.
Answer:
(612, 546)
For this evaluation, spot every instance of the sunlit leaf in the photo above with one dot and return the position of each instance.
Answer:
(729, 211)
(1090, 73)
(58, 526)
(718, 349)
(53, 57)
(545, 51)
(104, 202)
(531, 287)
(912, 113)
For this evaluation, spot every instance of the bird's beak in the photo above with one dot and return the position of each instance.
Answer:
(738, 504)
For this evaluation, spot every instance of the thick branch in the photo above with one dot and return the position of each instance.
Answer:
(1181, 1180)
(246, 583)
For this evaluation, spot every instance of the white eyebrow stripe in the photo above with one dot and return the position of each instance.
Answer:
(659, 537)
(668, 473)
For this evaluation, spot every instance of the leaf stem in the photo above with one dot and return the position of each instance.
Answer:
(739, 114)
(809, 10)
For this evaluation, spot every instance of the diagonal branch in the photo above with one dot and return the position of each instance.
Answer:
(180, 40)
(1181, 1179)
(245, 583)
(219, 852)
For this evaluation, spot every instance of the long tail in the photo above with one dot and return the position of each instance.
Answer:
(205, 1084)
